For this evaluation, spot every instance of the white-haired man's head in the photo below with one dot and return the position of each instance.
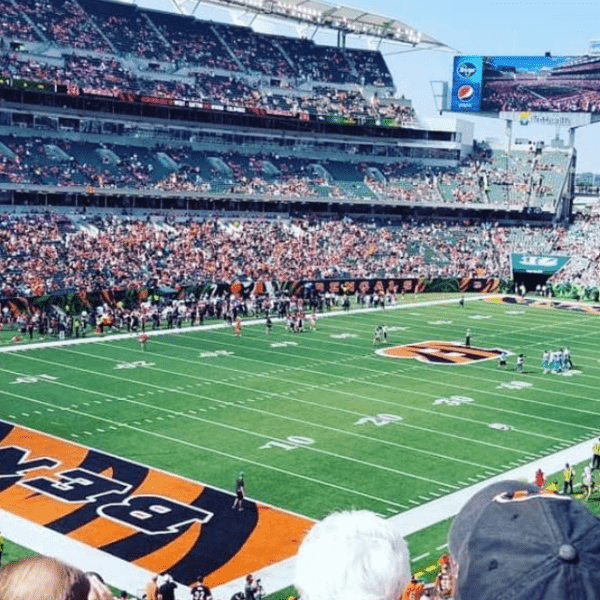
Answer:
(352, 554)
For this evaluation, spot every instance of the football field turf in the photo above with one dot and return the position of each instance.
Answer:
(319, 421)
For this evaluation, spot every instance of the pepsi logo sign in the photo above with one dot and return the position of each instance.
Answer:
(465, 93)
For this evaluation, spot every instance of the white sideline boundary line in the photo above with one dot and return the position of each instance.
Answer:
(92, 338)
(127, 576)
(281, 575)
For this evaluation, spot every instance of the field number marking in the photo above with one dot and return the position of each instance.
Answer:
(379, 420)
(134, 365)
(213, 353)
(34, 378)
(514, 385)
(454, 400)
(500, 426)
(291, 443)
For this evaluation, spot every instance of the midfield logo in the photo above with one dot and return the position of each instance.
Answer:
(441, 353)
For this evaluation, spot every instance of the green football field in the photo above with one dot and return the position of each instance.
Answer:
(319, 421)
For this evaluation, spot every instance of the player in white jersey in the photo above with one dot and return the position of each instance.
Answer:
(546, 361)
(520, 359)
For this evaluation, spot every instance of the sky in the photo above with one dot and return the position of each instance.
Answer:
(469, 27)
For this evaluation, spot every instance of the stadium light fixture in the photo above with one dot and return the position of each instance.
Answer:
(321, 13)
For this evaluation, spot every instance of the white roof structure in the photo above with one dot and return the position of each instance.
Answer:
(318, 13)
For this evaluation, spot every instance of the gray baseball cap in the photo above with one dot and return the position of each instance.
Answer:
(512, 541)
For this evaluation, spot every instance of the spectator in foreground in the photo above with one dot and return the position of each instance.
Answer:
(512, 540)
(45, 578)
(352, 554)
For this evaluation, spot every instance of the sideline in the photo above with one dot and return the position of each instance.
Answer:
(421, 517)
(280, 575)
(94, 338)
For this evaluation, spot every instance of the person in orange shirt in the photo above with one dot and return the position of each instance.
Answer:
(540, 480)
(414, 589)
(152, 589)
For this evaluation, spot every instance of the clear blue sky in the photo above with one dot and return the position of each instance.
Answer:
(478, 28)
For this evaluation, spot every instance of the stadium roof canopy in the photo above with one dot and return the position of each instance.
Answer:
(318, 13)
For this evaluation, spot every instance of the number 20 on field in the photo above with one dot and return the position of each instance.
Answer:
(291, 443)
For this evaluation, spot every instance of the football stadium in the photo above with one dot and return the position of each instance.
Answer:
(245, 285)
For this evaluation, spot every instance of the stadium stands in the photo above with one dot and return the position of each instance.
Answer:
(43, 253)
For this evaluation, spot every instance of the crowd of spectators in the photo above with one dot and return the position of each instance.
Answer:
(46, 253)
(556, 95)
(132, 31)
(106, 75)
(210, 62)
(526, 181)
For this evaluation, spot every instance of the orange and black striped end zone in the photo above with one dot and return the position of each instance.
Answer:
(150, 518)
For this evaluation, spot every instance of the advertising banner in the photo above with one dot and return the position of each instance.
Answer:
(539, 264)
(517, 84)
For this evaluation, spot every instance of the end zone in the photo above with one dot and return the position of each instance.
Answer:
(126, 520)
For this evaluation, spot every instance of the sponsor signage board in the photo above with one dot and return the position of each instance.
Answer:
(540, 264)
(567, 85)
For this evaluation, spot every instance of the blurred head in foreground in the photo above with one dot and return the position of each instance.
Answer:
(352, 554)
(44, 578)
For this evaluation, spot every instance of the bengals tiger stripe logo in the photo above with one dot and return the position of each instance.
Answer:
(147, 517)
(441, 353)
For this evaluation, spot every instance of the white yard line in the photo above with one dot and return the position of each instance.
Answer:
(132, 578)
(416, 519)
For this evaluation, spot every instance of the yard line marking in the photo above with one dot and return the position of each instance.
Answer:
(353, 434)
(403, 375)
(395, 404)
(420, 557)
(442, 547)
(172, 414)
(194, 445)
